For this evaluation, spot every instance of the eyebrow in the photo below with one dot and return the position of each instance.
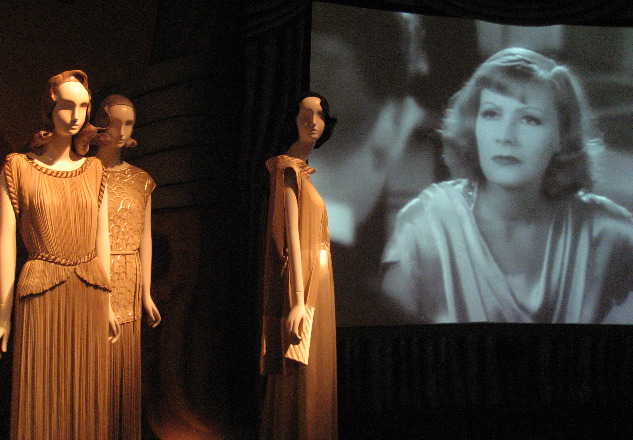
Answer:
(524, 105)
(71, 102)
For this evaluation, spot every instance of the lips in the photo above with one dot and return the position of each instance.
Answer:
(506, 160)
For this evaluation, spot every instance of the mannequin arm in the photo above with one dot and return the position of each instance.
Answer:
(145, 254)
(297, 314)
(103, 253)
(8, 251)
(102, 245)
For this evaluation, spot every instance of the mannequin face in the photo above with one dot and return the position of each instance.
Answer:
(122, 120)
(310, 122)
(71, 105)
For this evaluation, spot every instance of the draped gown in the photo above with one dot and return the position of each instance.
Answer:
(446, 271)
(301, 394)
(60, 375)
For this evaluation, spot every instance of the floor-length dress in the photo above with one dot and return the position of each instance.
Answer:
(128, 192)
(301, 394)
(60, 378)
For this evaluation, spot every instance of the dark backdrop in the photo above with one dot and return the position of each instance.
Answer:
(211, 81)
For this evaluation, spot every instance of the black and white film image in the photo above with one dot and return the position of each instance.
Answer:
(479, 172)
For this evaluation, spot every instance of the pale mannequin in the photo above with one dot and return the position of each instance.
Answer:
(69, 115)
(122, 119)
(299, 326)
(310, 125)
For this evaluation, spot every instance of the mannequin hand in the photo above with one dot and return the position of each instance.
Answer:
(294, 323)
(5, 327)
(153, 315)
(4, 335)
(115, 328)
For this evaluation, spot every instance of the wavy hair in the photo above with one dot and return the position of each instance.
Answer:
(102, 120)
(506, 72)
(81, 140)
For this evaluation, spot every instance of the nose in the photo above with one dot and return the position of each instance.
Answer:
(74, 117)
(507, 132)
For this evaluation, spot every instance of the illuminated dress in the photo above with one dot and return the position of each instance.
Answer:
(128, 192)
(447, 273)
(301, 398)
(60, 379)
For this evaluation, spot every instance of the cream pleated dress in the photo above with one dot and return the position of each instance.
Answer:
(60, 374)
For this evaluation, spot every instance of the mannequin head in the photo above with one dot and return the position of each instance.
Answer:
(313, 119)
(71, 105)
(117, 116)
(310, 123)
(66, 110)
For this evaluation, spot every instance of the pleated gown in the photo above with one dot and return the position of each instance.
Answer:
(60, 374)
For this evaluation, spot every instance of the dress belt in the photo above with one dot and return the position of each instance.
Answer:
(134, 252)
(61, 260)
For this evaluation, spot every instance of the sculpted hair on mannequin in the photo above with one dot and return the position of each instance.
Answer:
(330, 121)
(102, 120)
(289, 132)
(81, 141)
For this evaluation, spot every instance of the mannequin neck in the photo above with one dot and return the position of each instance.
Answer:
(58, 151)
(111, 157)
(301, 149)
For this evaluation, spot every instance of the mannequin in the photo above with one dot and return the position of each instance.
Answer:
(130, 207)
(299, 335)
(62, 303)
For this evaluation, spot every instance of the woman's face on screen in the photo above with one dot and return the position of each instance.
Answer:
(517, 135)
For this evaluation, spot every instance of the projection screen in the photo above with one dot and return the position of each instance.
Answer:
(388, 77)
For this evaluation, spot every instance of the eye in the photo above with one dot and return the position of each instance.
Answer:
(489, 113)
(532, 120)
(63, 104)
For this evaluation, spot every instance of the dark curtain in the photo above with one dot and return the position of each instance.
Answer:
(486, 381)
(519, 12)
(273, 70)
(276, 70)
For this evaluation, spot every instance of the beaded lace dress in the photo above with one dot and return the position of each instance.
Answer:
(128, 192)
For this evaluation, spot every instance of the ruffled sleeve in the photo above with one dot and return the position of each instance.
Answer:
(277, 167)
